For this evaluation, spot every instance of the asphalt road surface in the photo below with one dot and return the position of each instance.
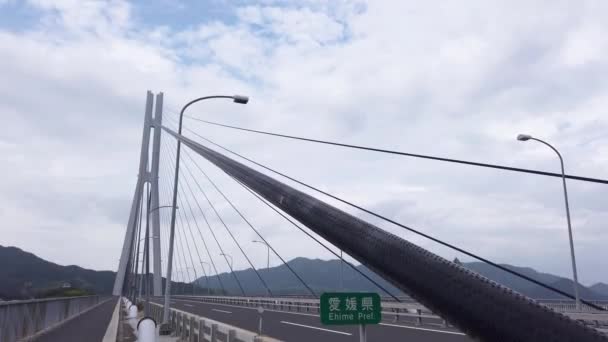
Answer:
(91, 326)
(296, 326)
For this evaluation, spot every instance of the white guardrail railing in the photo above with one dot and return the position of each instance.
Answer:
(20, 319)
(408, 312)
(191, 327)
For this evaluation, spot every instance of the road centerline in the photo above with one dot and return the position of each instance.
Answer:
(423, 329)
(317, 328)
(223, 311)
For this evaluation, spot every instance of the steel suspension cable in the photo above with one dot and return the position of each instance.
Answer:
(164, 213)
(406, 154)
(216, 241)
(182, 242)
(176, 259)
(177, 229)
(179, 239)
(162, 189)
(184, 233)
(163, 242)
(503, 268)
(201, 234)
(192, 235)
(233, 238)
(177, 262)
(249, 223)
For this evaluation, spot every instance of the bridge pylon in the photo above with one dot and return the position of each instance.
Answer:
(144, 176)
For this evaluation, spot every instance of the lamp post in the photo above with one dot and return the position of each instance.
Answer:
(228, 255)
(526, 137)
(267, 254)
(237, 99)
(162, 206)
(203, 263)
(180, 272)
(341, 270)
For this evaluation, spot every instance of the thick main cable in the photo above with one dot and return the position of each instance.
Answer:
(406, 154)
(251, 226)
(515, 273)
(481, 308)
(317, 240)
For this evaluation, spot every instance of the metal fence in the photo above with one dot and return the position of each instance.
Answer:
(570, 305)
(20, 319)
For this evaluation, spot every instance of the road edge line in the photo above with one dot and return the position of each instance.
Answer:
(112, 330)
(316, 328)
(423, 329)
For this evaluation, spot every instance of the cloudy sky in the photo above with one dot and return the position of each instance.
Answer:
(433, 77)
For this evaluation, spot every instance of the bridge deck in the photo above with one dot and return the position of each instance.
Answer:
(90, 326)
(295, 327)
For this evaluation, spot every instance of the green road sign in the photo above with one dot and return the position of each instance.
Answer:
(343, 308)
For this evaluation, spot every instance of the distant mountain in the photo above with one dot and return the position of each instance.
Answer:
(528, 288)
(324, 275)
(23, 274)
(600, 288)
(320, 275)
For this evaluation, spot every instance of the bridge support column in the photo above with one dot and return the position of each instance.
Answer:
(141, 179)
(155, 204)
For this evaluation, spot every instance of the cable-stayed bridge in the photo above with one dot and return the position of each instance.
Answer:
(178, 234)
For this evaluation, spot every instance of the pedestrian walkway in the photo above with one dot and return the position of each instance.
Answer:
(90, 326)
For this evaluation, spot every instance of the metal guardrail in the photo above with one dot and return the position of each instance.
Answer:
(413, 312)
(190, 327)
(20, 319)
(570, 305)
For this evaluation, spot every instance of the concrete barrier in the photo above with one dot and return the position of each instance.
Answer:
(24, 318)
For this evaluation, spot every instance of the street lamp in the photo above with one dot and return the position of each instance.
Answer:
(181, 272)
(149, 237)
(237, 99)
(228, 255)
(162, 206)
(203, 263)
(526, 137)
(268, 252)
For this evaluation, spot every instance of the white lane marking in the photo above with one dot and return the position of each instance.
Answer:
(311, 327)
(190, 305)
(221, 311)
(424, 329)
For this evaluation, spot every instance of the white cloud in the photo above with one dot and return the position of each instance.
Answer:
(444, 79)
